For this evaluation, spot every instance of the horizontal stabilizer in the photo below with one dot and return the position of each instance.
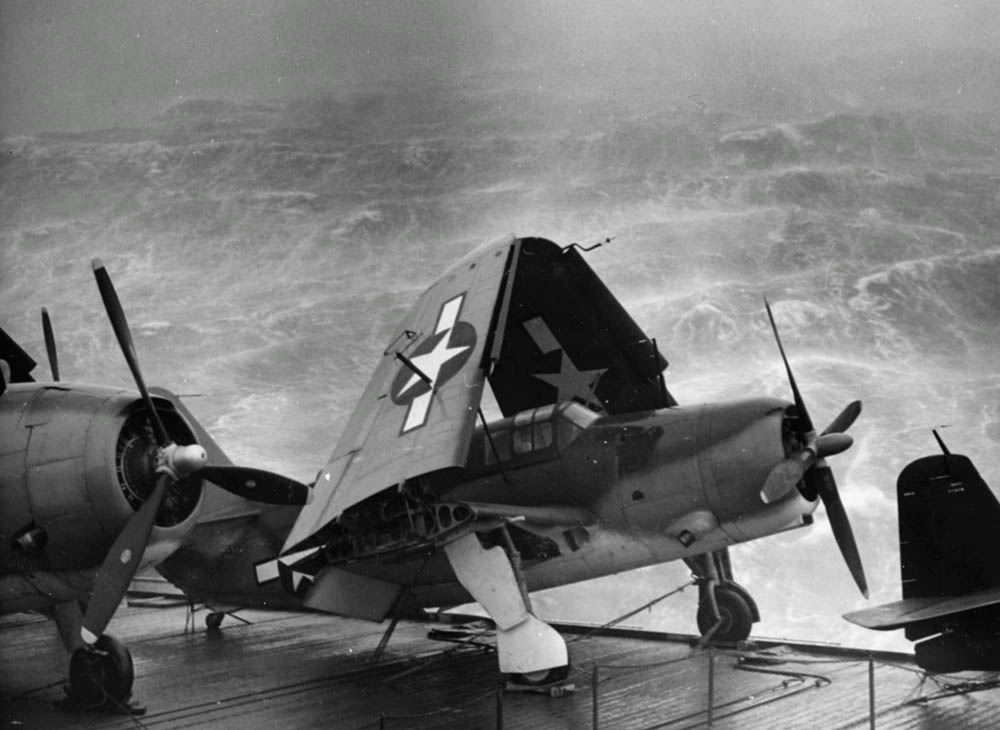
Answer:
(909, 611)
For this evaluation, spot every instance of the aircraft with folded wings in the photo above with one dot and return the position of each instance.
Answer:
(949, 549)
(591, 469)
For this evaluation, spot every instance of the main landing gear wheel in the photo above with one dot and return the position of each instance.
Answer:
(213, 620)
(541, 677)
(734, 611)
(100, 676)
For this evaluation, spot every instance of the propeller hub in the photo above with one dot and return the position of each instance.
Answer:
(180, 461)
(808, 468)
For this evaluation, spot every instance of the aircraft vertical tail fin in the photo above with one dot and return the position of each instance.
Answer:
(949, 528)
(949, 543)
(19, 363)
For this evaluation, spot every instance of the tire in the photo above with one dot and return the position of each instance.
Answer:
(213, 620)
(101, 675)
(735, 612)
(545, 676)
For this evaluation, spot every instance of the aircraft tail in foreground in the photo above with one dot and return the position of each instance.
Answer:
(949, 545)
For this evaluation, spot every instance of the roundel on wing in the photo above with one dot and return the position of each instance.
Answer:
(440, 357)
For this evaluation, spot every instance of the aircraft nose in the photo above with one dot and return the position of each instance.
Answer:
(740, 443)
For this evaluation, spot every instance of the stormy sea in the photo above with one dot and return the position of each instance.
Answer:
(265, 250)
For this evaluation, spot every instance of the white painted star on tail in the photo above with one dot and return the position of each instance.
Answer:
(570, 381)
(573, 383)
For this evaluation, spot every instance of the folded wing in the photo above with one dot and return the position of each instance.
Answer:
(419, 410)
(528, 316)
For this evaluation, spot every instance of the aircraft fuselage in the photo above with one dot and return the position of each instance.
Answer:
(642, 488)
(661, 485)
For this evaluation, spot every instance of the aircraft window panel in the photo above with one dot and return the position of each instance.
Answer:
(566, 433)
(542, 435)
(501, 442)
(503, 447)
(578, 414)
(522, 440)
(544, 413)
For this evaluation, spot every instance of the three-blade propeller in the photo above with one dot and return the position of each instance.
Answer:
(809, 467)
(173, 463)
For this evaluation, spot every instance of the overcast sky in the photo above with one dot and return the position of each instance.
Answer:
(101, 63)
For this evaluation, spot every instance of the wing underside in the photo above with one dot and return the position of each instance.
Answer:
(566, 337)
(527, 315)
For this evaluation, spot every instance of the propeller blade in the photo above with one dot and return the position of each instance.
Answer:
(830, 444)
(120, 325)
(822, 477)
(782, 480)
(257, 484)
(50, 344)
(120, 564)
(805, 423)
(817, 476)
(786, 474)
(845, 419)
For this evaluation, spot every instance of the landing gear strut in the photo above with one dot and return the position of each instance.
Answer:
(100, 676)
(528, 649)
(734, 619)
(726, 611)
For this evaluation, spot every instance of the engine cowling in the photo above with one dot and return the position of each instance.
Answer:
(76, 462)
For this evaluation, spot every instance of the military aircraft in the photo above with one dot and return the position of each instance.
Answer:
(949, 549)
(94, 483)
(593, 468)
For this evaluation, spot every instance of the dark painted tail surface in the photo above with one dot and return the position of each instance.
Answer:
(949, 545)
(949, 548)
(18, 363)
(949, 528)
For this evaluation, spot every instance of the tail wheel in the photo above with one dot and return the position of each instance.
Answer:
(101, 675)
(735, 613)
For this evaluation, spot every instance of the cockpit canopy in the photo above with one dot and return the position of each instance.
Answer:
(534, 435)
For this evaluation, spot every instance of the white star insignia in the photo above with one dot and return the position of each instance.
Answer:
(574, 383)
(426, 367)
(430, 364)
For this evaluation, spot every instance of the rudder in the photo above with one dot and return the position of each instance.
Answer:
(949, 528)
